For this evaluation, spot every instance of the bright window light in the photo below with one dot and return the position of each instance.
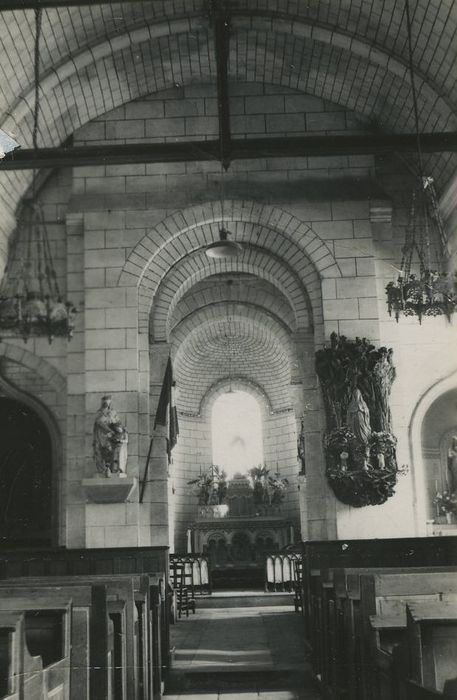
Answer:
(236, 424)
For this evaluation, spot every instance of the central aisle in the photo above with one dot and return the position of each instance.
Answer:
(241, 644)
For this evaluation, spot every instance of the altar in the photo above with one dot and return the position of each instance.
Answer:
(237, 534)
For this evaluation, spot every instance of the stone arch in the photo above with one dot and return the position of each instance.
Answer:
(202, 354)
(239, 384)
(209, 315)
(223, 291)
(174, 286)
(36, 364)
(180, 226)
(415, 446)
(50, 422)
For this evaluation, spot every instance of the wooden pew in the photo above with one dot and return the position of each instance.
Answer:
(34, 658)
(319, 556)
(121, 610)
(112, 561)
(91, 642)
(137, 626)
(339, 648)
(431, 639)
(386, 593)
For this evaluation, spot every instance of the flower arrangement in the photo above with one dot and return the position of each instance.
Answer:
(210, 486)
(446, 502)
(268, 490)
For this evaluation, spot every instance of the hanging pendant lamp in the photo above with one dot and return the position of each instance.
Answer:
(223, 248)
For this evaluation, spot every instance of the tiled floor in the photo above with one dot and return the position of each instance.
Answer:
(240, 653)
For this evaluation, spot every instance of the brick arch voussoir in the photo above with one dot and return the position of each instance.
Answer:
(268, 324)
(237, 383)
(36, 364)
(218, 297)
(278, 276)
(138, 263)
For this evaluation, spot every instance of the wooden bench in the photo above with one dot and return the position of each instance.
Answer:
(91, 637)
(431, 639)
(386, 593)
(420, 661)
(319, 556)
(137, 624)
(123, 614)
(35, 655)
(153, 561)
(339, 644)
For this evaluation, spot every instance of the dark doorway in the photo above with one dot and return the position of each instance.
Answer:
(26, 503)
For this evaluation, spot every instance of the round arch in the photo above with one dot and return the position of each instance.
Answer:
(10, 391)
(183, 277)
(239, 384)
(146, 265)
(415, 446)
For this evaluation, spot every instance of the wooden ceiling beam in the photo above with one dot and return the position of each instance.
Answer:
(240, 149)
(8, 5)
(221, 24)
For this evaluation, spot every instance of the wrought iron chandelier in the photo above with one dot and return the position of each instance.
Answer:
(423, 287)
(31, 303)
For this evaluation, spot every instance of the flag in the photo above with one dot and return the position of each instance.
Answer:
(167, 414)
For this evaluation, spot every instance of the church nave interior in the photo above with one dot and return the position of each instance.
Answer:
(228, 368)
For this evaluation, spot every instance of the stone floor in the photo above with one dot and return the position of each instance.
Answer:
(241, 646)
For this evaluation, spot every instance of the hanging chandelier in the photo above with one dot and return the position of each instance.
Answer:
(31, 303)
(423, 286)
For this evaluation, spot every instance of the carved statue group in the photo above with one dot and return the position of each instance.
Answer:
(356, 380)
(110, 439)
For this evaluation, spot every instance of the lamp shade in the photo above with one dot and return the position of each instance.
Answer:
(223, 248)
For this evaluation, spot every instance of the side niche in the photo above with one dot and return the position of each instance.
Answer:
(360, 448)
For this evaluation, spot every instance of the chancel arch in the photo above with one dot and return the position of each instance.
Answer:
(287, 239)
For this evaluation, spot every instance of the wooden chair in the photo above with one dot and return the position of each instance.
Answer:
(184, 600)
(298, 585)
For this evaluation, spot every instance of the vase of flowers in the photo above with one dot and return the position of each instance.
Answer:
(446, 504)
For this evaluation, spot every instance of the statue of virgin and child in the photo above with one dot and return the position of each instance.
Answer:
(110, 440)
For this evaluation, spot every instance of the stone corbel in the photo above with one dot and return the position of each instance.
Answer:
(99, 489)
(381, 219)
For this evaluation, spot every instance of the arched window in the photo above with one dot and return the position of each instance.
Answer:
(236, 425)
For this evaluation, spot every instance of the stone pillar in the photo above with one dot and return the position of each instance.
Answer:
(73, 499)
(111, 366)
(317, 504)
(154, 509)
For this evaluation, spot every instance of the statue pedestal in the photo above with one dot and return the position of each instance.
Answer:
(99, 489)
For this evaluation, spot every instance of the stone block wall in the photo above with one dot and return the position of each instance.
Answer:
(109, 222)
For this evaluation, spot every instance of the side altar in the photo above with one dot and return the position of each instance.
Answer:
(240, 521)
